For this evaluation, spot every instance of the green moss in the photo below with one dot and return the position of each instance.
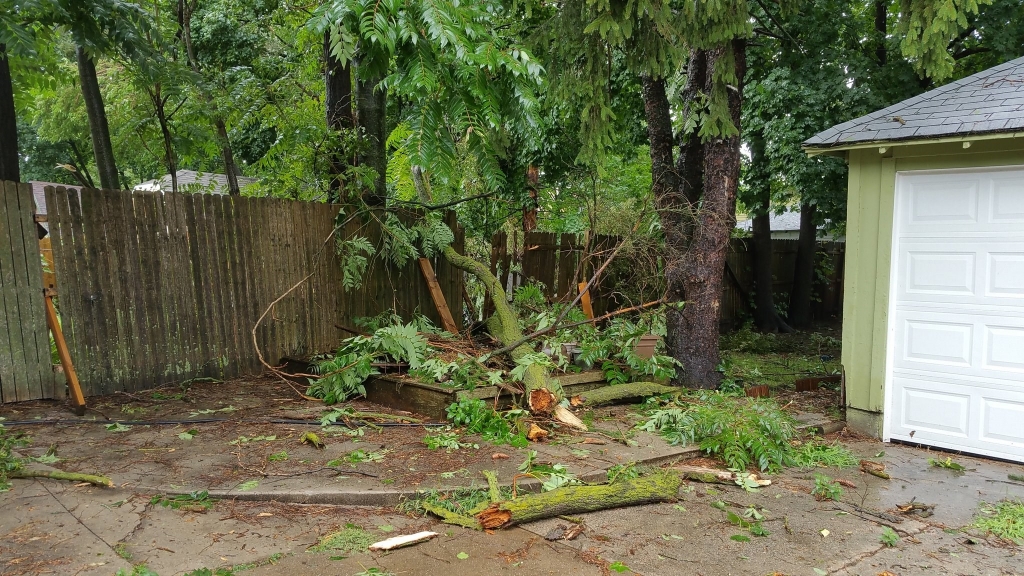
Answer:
(349, 539)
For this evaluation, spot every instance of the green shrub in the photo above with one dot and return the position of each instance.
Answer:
(479, 418)
(820, 454)
(826, 489)
(740, 431)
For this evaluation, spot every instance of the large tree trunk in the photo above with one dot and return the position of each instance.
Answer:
(372, 118)
(803, 273)
(99, 130)
(170, 157)
(231, 169)
(338, 82)
(881, 30)
(9, 162)
(765, 317)
(696, 244)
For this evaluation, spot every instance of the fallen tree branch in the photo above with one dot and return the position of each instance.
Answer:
(571, 500)
(610, 394)
(60, 475)
(714, 476)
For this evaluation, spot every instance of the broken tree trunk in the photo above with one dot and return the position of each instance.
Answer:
(58, 475)
(610, 394)
(579, 499)
(713, 476)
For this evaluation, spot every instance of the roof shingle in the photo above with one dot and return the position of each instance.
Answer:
(990, 101)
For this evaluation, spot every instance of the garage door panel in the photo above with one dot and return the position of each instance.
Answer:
(935, 410)
(980, 271)
(1004, 276)
(1004, 349)
(1002, 421)
(956, 369)
(936, 200)
(1007, 199)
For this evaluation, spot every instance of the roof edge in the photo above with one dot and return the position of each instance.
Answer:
(817, 149)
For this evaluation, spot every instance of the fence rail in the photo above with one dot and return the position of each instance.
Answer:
(26, 372)
(158, 288)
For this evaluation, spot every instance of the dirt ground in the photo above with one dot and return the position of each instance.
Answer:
(49, 527)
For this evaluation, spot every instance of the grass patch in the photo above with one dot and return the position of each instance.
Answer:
(349, 539)
(460, 501)
(817, 454)
(1005, 519)
(199, 501)
(826, 489)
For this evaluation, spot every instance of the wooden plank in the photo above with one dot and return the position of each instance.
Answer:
(84, 323)
(189, 354)
(303, 261)
(44, 363)
(194, 227)
(105, 355)
(148, 221)
(243, 234)
(447, 322)
(273, 250)
(29, 383)
(77, 397)
(260, 248)
(63, 263)
(131, 212)
(568, 250)
(229, 281)
(212, 283)
(289, 263)
(9, 317)
(588, 309)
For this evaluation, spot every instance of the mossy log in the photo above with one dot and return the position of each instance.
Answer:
(612, 394)
(59, 475)
(713, 476)
(449, 517)
(579, 499)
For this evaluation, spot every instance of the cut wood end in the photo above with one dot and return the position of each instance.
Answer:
(563, 415)
(536, 433)
(576, 400)
(493, 517)
(542, 401)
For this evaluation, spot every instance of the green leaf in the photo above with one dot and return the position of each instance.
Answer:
(248, 485)
(618, 567)
(118, 427)
(188, 434)
(820, 572)
(739, 538)
(462, 556)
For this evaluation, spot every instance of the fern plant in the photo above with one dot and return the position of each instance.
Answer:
(740, 431)
(344, 374)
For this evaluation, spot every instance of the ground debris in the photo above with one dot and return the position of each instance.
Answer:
(401, 541)
(874, 468)
(916, 508)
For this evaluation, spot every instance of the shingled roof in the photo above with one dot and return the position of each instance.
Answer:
(990, 101)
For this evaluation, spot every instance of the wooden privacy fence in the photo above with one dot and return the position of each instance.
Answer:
(159, 288)
(559, 262)
(26, 371)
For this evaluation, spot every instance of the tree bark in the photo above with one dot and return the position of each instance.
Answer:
(694, 331)
(765, 317)
(159, 105)
(612, 394)
(372, 119)
(10, 168)
(99, 129)
(803, 273)
(338, 104)
(659, 487)
(881, 30)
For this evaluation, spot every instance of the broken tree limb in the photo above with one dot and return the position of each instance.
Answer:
(611, 394)
(563, 415)
(449, 517)
(59, 475)
(400, 541)
(714, 476)
(579, 499)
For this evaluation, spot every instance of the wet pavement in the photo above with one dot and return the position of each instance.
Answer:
(49, 527)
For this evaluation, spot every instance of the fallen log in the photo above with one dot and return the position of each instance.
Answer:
(610, 394)
(579, 499)
(58, 475)
(714, 476)
(875, 469)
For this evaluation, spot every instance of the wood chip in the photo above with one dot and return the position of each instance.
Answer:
(400, 541)
(499, 456)
(536, 433)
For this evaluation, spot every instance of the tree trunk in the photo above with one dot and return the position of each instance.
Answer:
(765, 317)
(693, 333)
(338, 82)
(99, 130)
(803, 273)
(660, 487)
(159, 105)
(10, 168)
(881, 30)
(230, 167)
(372, 118)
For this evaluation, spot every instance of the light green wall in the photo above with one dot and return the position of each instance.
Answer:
(872, 184)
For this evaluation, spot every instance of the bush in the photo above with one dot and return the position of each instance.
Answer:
(479, 418)
(741, 431)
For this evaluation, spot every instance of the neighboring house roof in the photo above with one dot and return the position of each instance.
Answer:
(989, 102)
(40, 195)
(193, 181)
(788, 220)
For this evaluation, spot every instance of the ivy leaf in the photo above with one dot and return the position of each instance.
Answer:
(618, 567)
(462, 556)
(739, 538)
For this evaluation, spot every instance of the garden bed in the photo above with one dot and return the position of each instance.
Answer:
(404, 393)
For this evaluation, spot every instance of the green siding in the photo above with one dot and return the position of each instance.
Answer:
(872, 185)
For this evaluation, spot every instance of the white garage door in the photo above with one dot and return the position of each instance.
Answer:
(956, 318)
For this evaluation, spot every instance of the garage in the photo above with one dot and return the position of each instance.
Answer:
(933, 323)
(957, 319)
